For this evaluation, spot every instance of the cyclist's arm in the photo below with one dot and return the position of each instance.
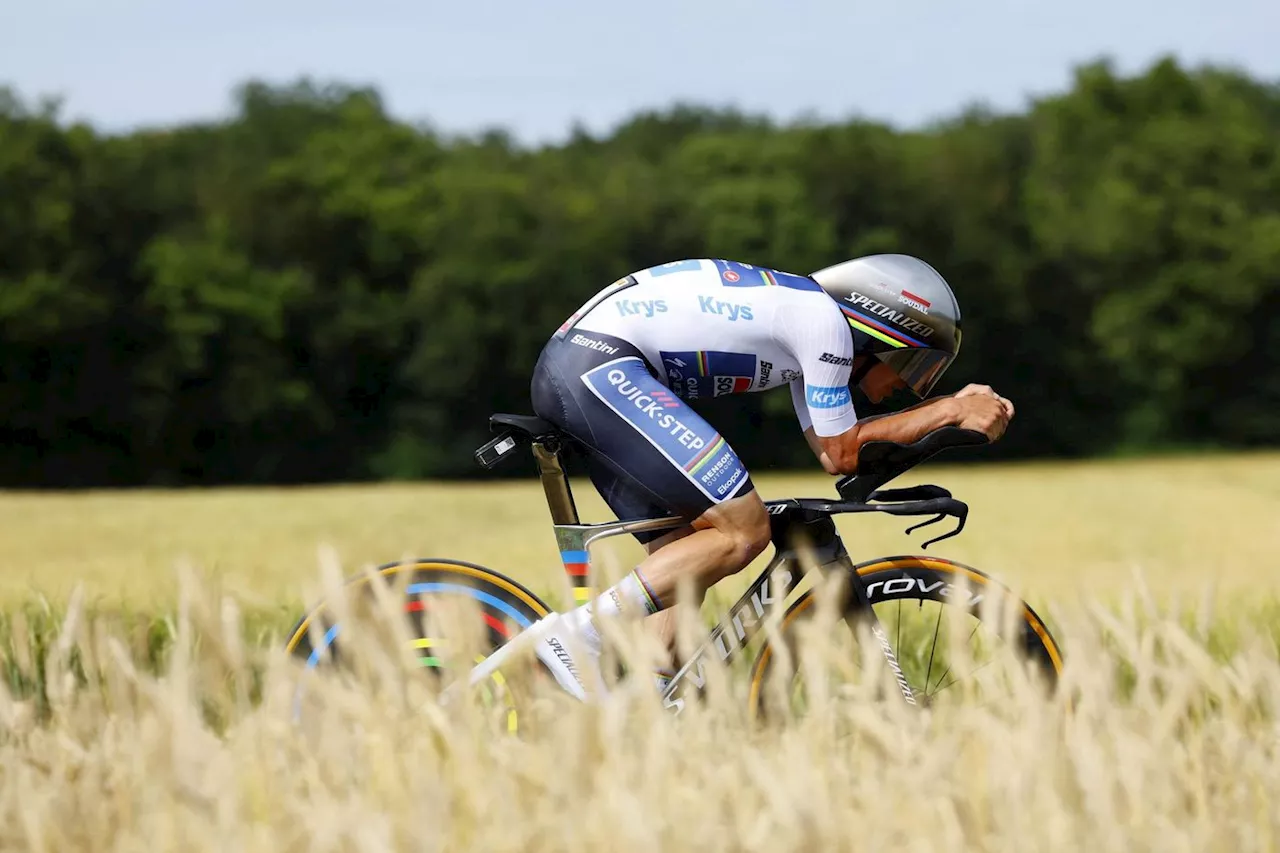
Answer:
(839, 453)
(912, 407)
(968, 391)
(818, 336)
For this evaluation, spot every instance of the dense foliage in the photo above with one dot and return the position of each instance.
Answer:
(313, 290)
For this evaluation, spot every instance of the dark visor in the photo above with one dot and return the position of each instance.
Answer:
(919, 368)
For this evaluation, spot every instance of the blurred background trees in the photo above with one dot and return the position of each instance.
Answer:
(315, 291)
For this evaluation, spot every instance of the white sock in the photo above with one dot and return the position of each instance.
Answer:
(629, 593)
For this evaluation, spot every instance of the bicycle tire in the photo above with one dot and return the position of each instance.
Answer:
(922, 578)
(506, 606)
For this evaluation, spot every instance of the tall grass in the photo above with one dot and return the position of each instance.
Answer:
(1156, 741)
(142, 714)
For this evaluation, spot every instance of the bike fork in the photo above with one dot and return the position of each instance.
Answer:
(824, 546)
(864, 612)
(892, 658)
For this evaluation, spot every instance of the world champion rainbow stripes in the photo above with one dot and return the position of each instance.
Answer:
(703, 457)
(878, 330)
(576, 565)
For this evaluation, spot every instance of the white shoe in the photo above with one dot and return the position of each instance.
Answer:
(559, 646)
(575, 667)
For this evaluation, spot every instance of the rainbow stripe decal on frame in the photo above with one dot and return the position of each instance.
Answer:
(576, 565)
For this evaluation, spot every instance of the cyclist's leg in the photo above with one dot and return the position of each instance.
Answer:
(653, 455)
(742, 523)
(628, 500)
(719, 542)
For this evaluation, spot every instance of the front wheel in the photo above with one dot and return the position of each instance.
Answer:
(945, 624)
(455, 615)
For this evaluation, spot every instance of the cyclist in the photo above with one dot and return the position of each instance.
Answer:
(619, 373)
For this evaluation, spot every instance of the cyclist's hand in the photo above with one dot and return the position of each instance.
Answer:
(984, 414)
(986, 391)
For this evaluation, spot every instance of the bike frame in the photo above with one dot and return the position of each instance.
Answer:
(823, 550)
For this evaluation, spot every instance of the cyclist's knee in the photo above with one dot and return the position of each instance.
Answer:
(756, 532)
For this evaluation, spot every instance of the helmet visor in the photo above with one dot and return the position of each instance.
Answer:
(919, 368)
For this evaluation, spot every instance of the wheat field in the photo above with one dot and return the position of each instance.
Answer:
(1050, 529)
(1165, 736)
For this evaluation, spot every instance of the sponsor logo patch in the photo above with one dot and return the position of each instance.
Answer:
(562, 655)
(917, 302)
(831, 358)
(731, 311)
(707, 373)
(592, 343)
(901, 322)
(641, 307)
(827, 397)
(789, 375)
(627, 387)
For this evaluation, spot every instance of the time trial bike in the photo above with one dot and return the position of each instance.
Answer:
(906, 604)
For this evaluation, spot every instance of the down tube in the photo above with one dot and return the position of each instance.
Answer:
(742, 623)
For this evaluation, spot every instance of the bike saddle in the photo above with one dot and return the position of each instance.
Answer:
(514, 431)
(528, 425)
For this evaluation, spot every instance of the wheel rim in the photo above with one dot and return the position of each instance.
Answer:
(506, 608)
(515, 592)
(921, 628)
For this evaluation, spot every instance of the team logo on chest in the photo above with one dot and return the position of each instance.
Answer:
(706, 373)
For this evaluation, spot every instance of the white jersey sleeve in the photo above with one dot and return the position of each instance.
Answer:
(801, 407)
(818, 336)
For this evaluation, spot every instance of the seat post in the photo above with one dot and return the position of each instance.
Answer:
(554, 482)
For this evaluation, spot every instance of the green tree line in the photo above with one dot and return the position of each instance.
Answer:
(312, 290)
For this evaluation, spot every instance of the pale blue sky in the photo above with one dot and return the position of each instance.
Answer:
(536, 67)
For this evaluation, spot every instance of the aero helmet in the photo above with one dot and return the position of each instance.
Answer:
(900, 310)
